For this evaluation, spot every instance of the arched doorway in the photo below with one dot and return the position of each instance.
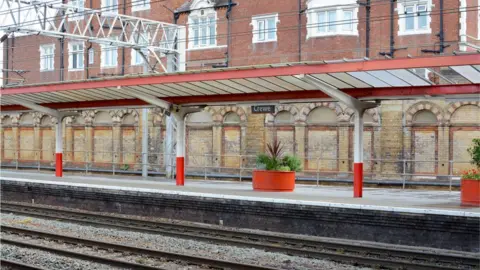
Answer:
(424, 143)
(322, 140)
(199, 138)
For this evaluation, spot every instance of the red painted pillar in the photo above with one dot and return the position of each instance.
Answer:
(358, 155)
(180, 179)
(180, 117)
(58, 149)
(58, 165)
(357, 180)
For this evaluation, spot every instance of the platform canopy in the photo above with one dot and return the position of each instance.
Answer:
(455, 76)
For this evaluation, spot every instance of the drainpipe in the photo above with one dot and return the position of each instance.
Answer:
(392, 34)
(62, 47)
(300, 12)
(440, 35)
(367, 34)
(7, 60)
(229, 11)
(87, 63)
(123, 48)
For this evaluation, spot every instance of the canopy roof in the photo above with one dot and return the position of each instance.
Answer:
(457, 75)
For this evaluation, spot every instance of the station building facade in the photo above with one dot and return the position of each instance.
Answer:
(424, 137)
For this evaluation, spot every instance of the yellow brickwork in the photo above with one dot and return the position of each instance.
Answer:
(395, 134)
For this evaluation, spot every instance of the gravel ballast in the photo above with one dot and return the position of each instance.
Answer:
(170, 244)
(48, 260)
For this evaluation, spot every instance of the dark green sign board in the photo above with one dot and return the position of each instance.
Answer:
(263, 109)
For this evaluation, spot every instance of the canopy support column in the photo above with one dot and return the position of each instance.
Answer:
(179, 114)
(358, 154)
(359, 107)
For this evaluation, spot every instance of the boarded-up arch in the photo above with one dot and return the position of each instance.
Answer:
(47, 136)
(464, 121)
(322, 133)
(26, 137)
(103, 139)
(8, 146)
(199, 140)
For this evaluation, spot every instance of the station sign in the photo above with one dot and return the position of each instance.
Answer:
(263, 109)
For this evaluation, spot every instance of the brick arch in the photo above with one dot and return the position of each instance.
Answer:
(270, 118)
(420, 106)
(111, 113)
(373, 112)
(119, 115)
(306, 110)
(13, 118)
(220, 115)
(25, 115)
(452, 107)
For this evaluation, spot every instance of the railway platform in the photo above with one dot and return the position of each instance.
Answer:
(385, 199)
(425, 218)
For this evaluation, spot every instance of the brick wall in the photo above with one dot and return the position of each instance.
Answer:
(292, 43)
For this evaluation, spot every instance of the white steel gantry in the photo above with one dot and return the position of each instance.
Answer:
(160, 44)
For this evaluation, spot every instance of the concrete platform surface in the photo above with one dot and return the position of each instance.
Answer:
(397, 200)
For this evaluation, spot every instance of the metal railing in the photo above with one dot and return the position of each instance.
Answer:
(207, 166)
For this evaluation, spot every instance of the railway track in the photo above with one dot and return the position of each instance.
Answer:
(9, 264)
(340, 251)
(123, 249)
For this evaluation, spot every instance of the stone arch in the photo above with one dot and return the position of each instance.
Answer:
(227, 109)
(128, 116)
(325, 114)
(27, 119)
(306, 110)
(270, 118)
(6, 120)
(231, 118)
(102, 118)
(423, 105)
(202, 117)
(46, 121)
(453, 107)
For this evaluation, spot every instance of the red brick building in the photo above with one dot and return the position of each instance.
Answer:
(229, 33)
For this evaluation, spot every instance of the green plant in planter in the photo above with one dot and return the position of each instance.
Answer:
(274, 161)
(125, 167)
(474, 152)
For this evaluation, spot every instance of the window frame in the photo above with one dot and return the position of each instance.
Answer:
(81, 8)
(43, 57)
(106, 48)
(109, 10)
(91, 56)
(137, 7)
(76, 53)
(264, 19)
(415, 15)
(316, 29)
(195, 28)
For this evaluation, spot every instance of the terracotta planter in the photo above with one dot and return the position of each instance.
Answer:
(470, 192)
(273, 181)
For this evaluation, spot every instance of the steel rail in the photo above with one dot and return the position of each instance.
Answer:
(284, 244)
(18, 265)
(122, 248)
(78, 255)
